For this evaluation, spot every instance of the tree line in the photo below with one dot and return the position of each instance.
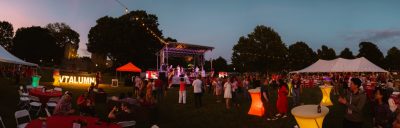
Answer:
(41, 45)
(263, 51)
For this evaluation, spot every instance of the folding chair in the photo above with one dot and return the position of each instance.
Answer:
(21, 114)
(125, 124)
(58, 89)
(2, 123)
(47, 112)
(23, 99)
(35, 103)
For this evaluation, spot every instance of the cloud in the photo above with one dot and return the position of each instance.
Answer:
(387, 35)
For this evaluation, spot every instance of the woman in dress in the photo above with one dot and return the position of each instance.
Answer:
(228, 93)
(149, 90)
(282, 103)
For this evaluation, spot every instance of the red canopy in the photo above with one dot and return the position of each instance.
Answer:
(129, 67)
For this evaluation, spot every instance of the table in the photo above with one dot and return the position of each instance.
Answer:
(67, 122)
(44, 96)
(307, 116)
(326, 95)
(256, 107)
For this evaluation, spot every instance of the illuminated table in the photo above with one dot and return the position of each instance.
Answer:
(35, 80)
(307, 116)
(256, 107)
(326, 95)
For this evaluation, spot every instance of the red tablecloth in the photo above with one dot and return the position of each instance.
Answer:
(44, 96)
(67, 121)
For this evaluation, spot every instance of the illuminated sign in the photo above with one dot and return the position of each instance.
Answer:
(222, 74)
(151, 75)
(77, 79)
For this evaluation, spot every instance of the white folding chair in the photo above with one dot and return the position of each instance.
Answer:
(29, 87)
(35, 103)
(54, 99)
(58, 89)
(51, 104)
(47, 112)
(23, 100)
(22, 94)
(21, 114)
(2, 123)
(125, 124)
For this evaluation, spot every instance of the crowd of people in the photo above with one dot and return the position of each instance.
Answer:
(355, 91)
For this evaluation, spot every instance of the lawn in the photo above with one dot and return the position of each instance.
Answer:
(174, 115)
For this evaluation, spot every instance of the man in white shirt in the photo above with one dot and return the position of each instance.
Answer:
(197, 89)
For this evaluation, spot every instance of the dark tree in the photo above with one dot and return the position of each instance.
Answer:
(371, 52)
(300, 56)
(261, 51)
(220, 64)
(37, 45)
(64, 35)
(326, 53)
(131, 37)
(393, 59)
(347, 54)
(6, 34)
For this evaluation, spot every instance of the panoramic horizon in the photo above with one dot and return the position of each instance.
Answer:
(337, 24)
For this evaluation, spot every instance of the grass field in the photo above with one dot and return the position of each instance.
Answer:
(174, 115)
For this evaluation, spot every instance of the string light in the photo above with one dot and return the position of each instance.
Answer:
(137, 19)
(149, 30)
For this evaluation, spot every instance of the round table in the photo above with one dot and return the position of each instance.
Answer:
(44, 96)
(326, 95)
(67, 122)
(307, 116)
(257, 107)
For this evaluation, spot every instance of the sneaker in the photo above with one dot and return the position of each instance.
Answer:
(278, 115)
(268, 119)
(274, 118)
(284, 116)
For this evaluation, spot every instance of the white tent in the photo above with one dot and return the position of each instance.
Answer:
(342, 65)
(7, 57)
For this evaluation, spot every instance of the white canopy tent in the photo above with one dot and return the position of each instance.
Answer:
(7, 57)
(342, 65)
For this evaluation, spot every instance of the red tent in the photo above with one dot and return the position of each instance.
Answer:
(129, 67)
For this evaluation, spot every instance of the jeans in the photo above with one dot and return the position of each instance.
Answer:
(182, 97)
(197, 100)
(296, 96)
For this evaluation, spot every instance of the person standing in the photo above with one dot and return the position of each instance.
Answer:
(267, 100)
(157, 89)
(98, 79)
(296, 91)
(197, 90)
(246, 84)
(138, 83)
(382, 116)
(149, 90)
(282, 103)
(234, 92)
(228, 92)
(354, 102)
(182, 91)
(217, 83)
